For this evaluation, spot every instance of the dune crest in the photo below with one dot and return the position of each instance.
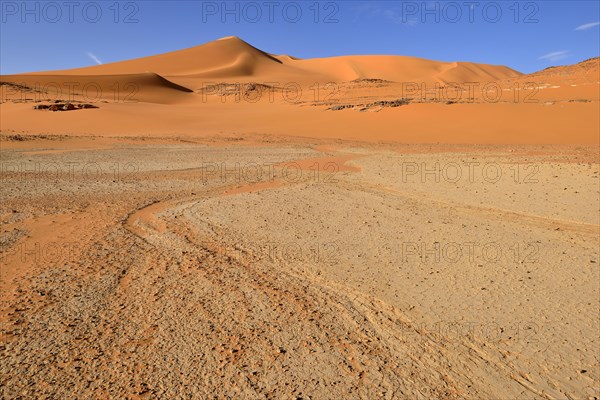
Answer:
(233, 58)
(147, 87)
(229, 86)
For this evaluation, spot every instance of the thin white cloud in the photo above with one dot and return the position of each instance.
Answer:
(93, 57)
(395, 16)
(555, 56)
(585, 27)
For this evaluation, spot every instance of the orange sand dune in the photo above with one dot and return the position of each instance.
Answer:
(231, 58)
(357, 97)
(402, 69)
(575, 82)
(587, 71)
(127, 88)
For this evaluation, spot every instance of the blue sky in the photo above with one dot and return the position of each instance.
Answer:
(525, 35)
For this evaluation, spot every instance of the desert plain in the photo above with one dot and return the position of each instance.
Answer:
(220, 222)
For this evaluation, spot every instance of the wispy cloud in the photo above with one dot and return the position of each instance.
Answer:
(93, 57)
(585, 27)
(555, 56)
(393, 15)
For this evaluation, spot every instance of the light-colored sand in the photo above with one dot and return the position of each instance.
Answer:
(242, 270)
